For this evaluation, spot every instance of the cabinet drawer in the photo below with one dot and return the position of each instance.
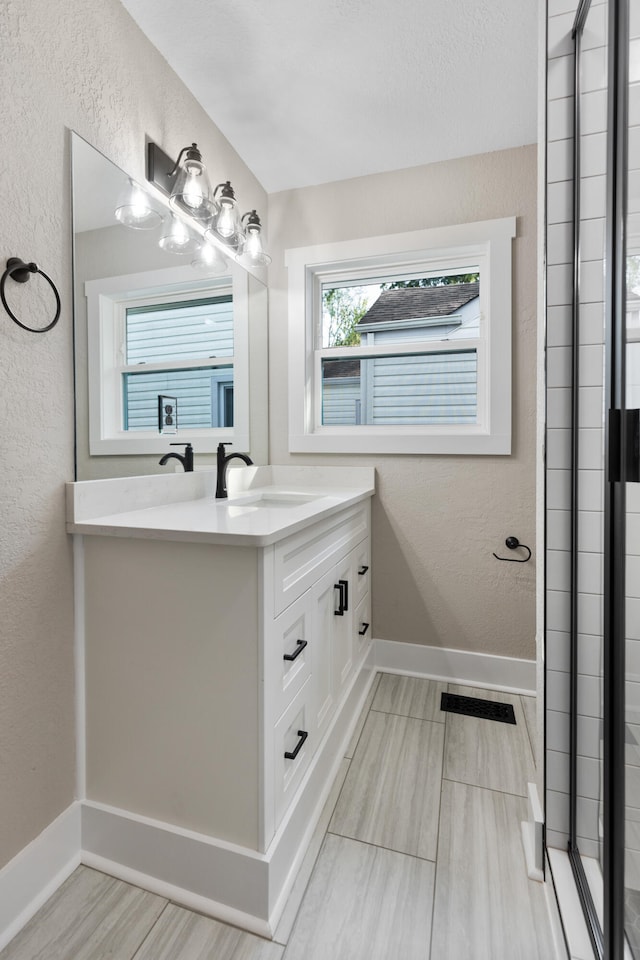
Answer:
(303, 558)
(292, 736)
(361, 629)
(288, 654)
(362, 571)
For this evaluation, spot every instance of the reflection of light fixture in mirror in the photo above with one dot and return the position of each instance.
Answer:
(134, 209)
(253, 254)
(226, 222)
(210, 261)
(177, 238)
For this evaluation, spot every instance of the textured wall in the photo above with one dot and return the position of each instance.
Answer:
(436, 519)
(86, 66)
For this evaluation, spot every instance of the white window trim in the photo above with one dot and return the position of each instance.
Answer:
(487, 243)
(104, 302)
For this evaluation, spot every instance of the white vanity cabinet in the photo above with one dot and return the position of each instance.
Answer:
(312, 655)
(214, 671)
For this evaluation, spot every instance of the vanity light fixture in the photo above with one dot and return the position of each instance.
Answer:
(226, 223)
(185, 182)
(216, 215)
(135, 210)
(253, 254)
(192, 190)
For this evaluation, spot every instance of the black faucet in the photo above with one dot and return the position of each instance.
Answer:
(222, 460)
(186, 460)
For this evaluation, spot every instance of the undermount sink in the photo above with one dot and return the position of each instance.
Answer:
(261, 501)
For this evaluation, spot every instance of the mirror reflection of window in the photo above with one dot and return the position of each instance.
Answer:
(164, 336)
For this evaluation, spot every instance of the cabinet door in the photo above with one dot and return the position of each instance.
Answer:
(361, 630)
(325, 603)
(362, 573)
(294, 747)
(342, 639)
(288, 654)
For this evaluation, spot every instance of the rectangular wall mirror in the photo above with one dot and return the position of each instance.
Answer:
(169, 347)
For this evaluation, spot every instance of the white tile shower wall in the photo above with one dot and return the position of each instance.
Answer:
(560, 72)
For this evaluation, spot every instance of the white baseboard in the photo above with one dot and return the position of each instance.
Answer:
(200, 872)
(34, 874)
(178, 894)
(508, 674)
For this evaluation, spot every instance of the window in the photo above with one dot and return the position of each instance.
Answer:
(402, 344)
(184, 339)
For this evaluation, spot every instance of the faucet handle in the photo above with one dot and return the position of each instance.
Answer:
(183, 444)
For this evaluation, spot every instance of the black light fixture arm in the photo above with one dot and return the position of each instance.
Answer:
(162, 170)
(192, 153)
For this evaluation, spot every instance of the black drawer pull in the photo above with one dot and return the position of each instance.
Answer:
(300, 645)
(341, 608)
(291, 755)
(343, 587)
(345, 584)
(362, 571)
(365, 627)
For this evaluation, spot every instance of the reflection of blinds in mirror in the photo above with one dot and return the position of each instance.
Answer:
(188, 330)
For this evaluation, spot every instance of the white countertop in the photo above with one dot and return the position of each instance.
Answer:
(265, 504)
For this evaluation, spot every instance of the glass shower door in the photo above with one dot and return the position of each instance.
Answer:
(632, 525)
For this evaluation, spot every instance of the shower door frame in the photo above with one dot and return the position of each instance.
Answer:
(608, 940)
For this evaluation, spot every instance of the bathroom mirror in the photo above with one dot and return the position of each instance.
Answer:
(125, 285)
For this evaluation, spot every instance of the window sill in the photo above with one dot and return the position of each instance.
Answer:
(139, 444)
(396, 443)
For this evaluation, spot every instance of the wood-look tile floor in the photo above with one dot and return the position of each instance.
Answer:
(417, 856)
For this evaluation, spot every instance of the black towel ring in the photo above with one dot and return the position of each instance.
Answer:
(512, 543)
(20, 271)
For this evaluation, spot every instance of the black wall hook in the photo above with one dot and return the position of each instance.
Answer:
(513, 543)
(20, 271)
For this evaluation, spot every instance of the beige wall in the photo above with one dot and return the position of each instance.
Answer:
(67, 64)
(436, 519)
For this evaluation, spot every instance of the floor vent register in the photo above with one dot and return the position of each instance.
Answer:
(475, 707)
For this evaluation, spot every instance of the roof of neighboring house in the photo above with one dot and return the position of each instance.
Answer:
(414, 303)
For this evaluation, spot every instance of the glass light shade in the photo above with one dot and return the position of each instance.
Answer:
(177, 238)
(226, 223)
(253, 254)
(210, 261)
(192, 190)
(135, 210)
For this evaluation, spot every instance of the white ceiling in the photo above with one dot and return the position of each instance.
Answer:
(310, 92)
